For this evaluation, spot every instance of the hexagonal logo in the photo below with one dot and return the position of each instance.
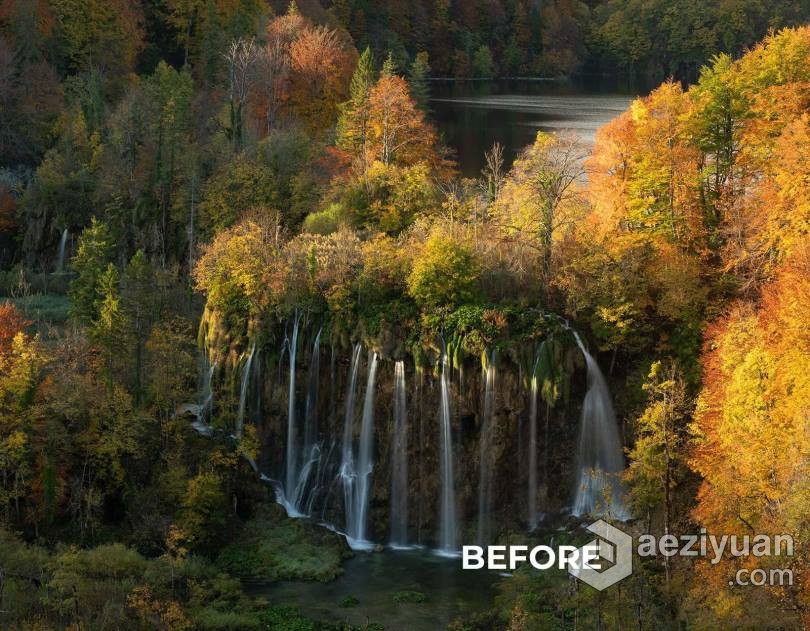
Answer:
(615, 548)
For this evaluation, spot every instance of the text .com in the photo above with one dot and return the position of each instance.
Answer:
(608, 558)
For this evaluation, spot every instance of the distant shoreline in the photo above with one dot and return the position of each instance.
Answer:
(549, 79)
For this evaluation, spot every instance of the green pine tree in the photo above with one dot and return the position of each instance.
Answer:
(418, 80)
(95, 247)
(352, 129)
(389, 67)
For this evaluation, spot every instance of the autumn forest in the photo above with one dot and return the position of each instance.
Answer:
(268, 360)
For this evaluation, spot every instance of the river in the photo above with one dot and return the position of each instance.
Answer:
(472, 115)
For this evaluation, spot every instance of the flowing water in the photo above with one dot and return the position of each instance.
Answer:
(243, 390)
(60, 257)
(357, 515)
(399, 462)
(485, 459)
(355, 470)
(600, 461)
(447, 506)
(313, 380)
(532, 494)
(291, 474)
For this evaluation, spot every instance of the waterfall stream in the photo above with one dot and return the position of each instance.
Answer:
(399, 461)
(311, 411)
(532, 497)
(243, 390)
(600, 461)
(486, 454)
(447, 505)
(356, 472)
(60, 258)
(291, 472)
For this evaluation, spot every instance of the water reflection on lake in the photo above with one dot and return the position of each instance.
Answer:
(472, 115)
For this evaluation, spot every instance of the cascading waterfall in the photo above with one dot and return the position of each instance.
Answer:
(365, 461)
(532, 503)
(347, 454)
(202, 410)
(290, 478)
(399, 461)
(60, 259)
(447, 505)
(311, 450)
(243, 391)
(600, 462)
(486, 465)
(310, 414)
(357, 475)
(348, 468)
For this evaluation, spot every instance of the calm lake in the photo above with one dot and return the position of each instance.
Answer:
(472, 115)
(376, 588)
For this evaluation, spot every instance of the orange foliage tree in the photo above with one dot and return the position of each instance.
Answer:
(752, 428)
(11, 323)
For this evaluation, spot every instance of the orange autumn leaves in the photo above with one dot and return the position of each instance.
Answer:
(752, 425)
(12, 322)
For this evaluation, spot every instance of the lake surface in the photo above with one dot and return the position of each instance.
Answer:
(373, 579)
(472, 115)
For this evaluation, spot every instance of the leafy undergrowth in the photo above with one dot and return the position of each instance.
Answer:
(273, 547)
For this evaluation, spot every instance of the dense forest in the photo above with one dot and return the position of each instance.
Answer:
(212, 209)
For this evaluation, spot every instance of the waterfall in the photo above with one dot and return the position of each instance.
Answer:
(356, 474)
(447, 506)
(599, 460)
(532, 503)
(310, 415)
(203, 409)
(207, 392)
(348, 468)
(347, 458)
(365, 461)
(486, 464)
(290, 478)
(311, 450)
(243, 391)
(399, 461)
(60, 259)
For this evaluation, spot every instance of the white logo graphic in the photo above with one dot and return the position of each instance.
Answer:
(615, 547)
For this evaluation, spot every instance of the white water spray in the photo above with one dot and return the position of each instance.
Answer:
(290, 478)
(399, 461)
(60, 259)
(532, 503)
(600, 462)
(486, 465)
(243, 391)
(447, 504)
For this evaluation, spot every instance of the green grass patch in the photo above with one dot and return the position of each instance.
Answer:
(273, 547)
(43, 309)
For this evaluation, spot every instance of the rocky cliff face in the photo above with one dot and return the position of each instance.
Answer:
(268, 408)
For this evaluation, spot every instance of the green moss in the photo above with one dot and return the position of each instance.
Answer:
(273, 547)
